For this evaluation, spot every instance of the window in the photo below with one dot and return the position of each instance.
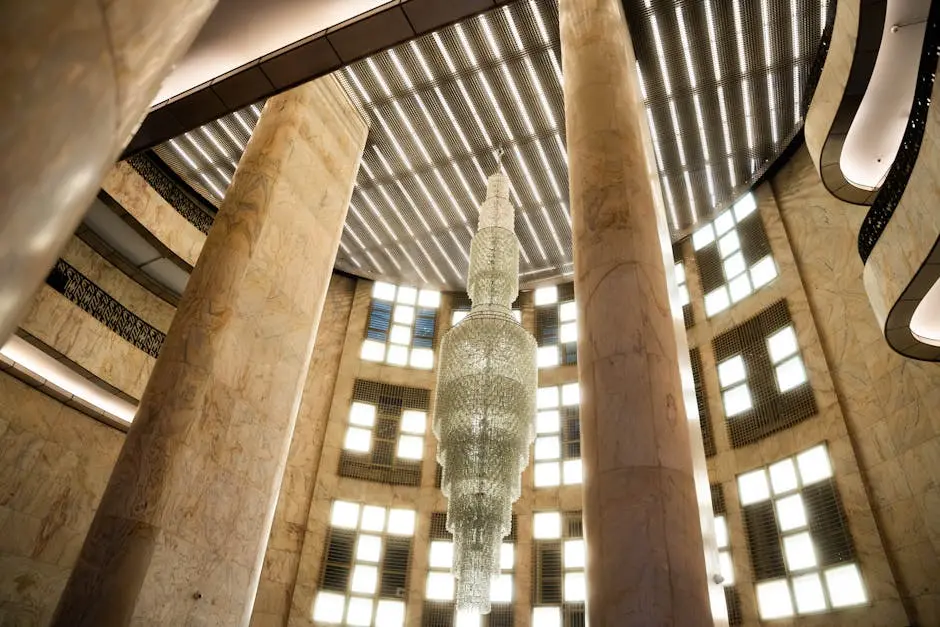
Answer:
(560, 588)
(801, 551)
(439, 609)
(556, 327)
(684, 300)
(725, 563)
(558, 436)
(385, 433)
(364, 580)
(764, 385)
(401, 326)
(733, 256)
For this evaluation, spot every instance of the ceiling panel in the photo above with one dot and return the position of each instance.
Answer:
(722, 81)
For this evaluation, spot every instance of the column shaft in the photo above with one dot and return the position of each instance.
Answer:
(181, 531)
(78, 76)
(646, 563)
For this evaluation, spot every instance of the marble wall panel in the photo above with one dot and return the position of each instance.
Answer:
(54, 464)
(62, 325)
(135, 195)
(889, 403)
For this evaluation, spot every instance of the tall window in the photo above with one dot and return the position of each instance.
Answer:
(401, 326)
(684, 300)
(733, 255)
(556, 327)
(726, 565)
(764, 386)
(385, 433)
(364, 580)
(558, 436)
(801, 551)
(439, 610)
(560, 588)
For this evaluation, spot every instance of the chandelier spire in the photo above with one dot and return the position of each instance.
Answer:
(485, 402)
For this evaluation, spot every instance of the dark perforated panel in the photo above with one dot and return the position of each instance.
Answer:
(382, 464)
(704, 417)
(772, 410)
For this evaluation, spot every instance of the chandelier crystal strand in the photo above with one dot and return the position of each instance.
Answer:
(484, 421)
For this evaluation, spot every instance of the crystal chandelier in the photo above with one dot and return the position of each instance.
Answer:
(485, 404)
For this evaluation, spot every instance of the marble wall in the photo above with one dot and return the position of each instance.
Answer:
(828, 425)
(890, 403)
(54, 464)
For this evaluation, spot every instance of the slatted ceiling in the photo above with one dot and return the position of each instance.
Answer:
(456, 88)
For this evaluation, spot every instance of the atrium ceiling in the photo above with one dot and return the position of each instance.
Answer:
(723, 81)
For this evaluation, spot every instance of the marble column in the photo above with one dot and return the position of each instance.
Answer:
(78, 77)
(646, 563)
(180, 534)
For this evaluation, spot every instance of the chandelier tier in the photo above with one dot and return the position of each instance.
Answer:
(485, 404)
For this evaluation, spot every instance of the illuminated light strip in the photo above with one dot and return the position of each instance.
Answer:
(504, 67)
(256, 110)
(699, 118)
(210, 183)
(823, 13)
(709, 172)
(368, 228)
(742, 64)
(551, 228)
(463, 90)
(446, 257)
(182, 153)
(460, 247)
(411, 203)
(42, 366)
(528, 175)
(691, 195)
(465, 185)
(205, 155)
(412, 262)
(224, 175)
(486, 84)
(215, 142)
(378, 215)
(346, 250)
(795, 29)
(538, 244)
(375, 264)
(722, 107)
(392, 258)
(241, 121)
(768, 60)
(398, 214)
(354, 78)
(669, 199)
(797, 114)
(548, 169)
(561, 148)
(353, 235)
(231, 135)
(543, 32)
(661, 55)
(547, 112)
(365, 166)
(674, 115)
(434, 267)
(430, 199)
(394, 141)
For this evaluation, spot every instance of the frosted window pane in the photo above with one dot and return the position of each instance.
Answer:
(383, 291)
(717, 301)
(814, 464)
(763, 272)
(782, 344)
(546, 616)
(390, 614)
(372, 350)
(726, 567)
(703, 237)
(373, 518)
(429, 298)
(359, 440)
(783, 476)
(729, 243)
(328, 608)
(845, 586)
(440, 586)
(401, 522)
(790, 513)
(547, 398)
(569, 332)
(397, 355)
(752, 487)
(773, 599)
(574, 554)
(442, 554)
(568, 312)
(572, 471)
(547, 356)
(737, 400)
(791, 374)
(570, 394)
(507, 556)
(368, 548)
(404, 314)
(345, 515)
(799, 551)
(359, 612)
(501, 588)
(364, 578)
(731, 371)
(547, 474)
(721, 532)
(407, 295)
(457, 317)
(400, 334)
(574, 587)
(547, 525)
(422, 358)
(745, 206)
(413, 421)
(724, 223)
(546, 295)
(809, 595)
(740, 288)
(734, 265)
(547, 447)
(362, 414)
(411, 447)
(547, 421)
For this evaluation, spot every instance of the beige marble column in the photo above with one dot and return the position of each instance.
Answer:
(78, 77)
(646, 563)
(181, 531)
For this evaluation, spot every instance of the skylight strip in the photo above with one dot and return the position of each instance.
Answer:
(739, 36)
(535, 238)
(378, 77)
(453, 120)
(768, 61)
(561, 148)
(716, 69)
(548, 169)
(354, 79)
(353, 235)
(795, 29)
(691, 196)
(547, 112)
(183, 154)
(446, 257)
(402, 72)
(661, 55)
(215, 142)
(224, 175)
(765, 32)
(430, 122)
(460, 247)
(710, 174)
(463, 92)
(365, 166)
(797, 98)
(209, 160)
(657, 149)
(700, 121)
(231, 135)
(551, 229)
(450, 195)
(772, 108)
(256, 110)
(378, 214)
(670, 202)
(412, 262)
(392, 258)
(487, 89)
(539, 22)
(533, 188)
(686, 51)
(364, 223)
(211, 184)
(823, 14)
(346, 250)
(431, 201)
(412, 132)
(434, 267)
(241, 121)
(411, 203)
(466, 186)
(748, 114)
(394, 141)
(375, 264)
(674, 115)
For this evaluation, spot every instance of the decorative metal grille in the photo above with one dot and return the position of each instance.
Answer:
(171, 191)
(79, 289)
(556, 568)
(382, 462)
(770, 409)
